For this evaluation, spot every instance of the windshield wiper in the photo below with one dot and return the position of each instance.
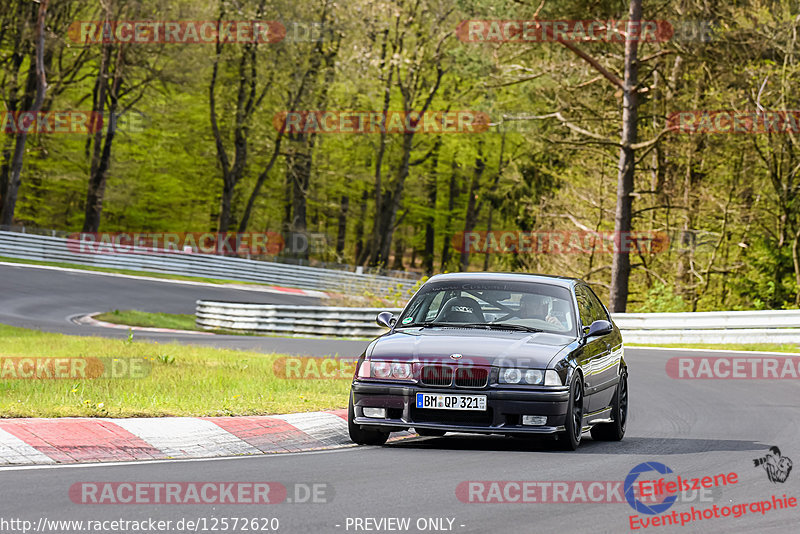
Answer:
(503, 326)
(425, 324)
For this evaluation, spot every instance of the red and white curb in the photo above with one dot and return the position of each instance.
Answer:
(84, 440)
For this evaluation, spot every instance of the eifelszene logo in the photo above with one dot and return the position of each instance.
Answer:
(630, 485)
(654, 496)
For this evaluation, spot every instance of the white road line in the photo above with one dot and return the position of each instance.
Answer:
(349, 447)
(14, 451)
(186, 437)
(751, 352)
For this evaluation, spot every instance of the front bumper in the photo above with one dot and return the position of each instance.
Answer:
(504, 409)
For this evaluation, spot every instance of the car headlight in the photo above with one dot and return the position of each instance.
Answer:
(381, 370)
(534, 376)
(385, 370)
(511, 375)
(401, 371)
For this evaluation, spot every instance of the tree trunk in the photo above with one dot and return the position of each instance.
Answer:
(399, 250)
(97, 181)
(488, 231)
(359, 254)
(286, 225)
(233, 167)
(430, 220)
(15, 168)
(390, 205)
(451, 202)
(473, 207)
(621, 262)
(372, 251)
(298, 168)
(101, 153)
(342, 231)
(13, 105)
(260, 182)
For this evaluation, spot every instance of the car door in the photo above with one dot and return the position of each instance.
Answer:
(605, 366)
(592, 350)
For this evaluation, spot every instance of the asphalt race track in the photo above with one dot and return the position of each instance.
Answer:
(46, 299)
(697, 428)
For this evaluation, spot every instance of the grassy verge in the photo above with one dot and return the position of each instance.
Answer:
(152, 320)
(755, 347)
(165, 276)
(182, 381)
(186, 322)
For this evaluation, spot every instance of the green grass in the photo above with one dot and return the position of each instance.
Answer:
(182, 381)
(187, 322)
(153, 320)
(755, 347)
(166, 276)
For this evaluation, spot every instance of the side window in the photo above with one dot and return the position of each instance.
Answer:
(598, 311)
(584, 305)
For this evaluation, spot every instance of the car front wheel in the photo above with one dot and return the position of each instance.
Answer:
(360, 435)
(573, 425)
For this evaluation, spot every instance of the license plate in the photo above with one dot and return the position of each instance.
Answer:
(445, 401)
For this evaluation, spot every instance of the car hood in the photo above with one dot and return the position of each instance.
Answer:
(476, 347)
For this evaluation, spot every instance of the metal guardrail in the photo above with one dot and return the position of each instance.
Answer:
(769, 326)
(59, 249)
(781, 326)
(302, 320)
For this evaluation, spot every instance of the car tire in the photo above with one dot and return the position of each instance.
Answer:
(573, 423)
(615, 430)
(429, 432)
(360, 435)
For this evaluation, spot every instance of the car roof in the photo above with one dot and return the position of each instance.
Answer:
(561, 281)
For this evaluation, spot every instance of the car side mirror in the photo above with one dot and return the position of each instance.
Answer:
(386, 319)
(598, 328)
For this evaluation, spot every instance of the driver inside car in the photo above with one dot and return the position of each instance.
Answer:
(535, 307)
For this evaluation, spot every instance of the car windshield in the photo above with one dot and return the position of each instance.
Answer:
(520, 306)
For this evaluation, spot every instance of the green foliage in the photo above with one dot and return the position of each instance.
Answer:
(730, 204)
(661, 298)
